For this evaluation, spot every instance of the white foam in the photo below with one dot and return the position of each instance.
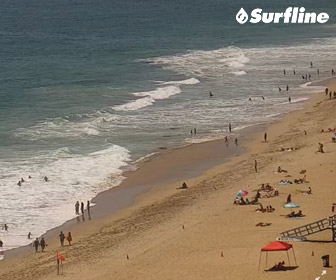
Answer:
(191, 81)
(211, 64)
(37, 205)
(239, 73)
(149, 98)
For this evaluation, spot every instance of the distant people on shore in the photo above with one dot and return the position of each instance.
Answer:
(36, 244)
(43, 244)
(77, 207)
(88, 208)
(82, 207)
(62, 238)
(69, 238)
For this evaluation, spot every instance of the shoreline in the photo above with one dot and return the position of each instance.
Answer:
(135, 185)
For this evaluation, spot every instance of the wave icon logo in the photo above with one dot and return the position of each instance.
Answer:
(242, 16)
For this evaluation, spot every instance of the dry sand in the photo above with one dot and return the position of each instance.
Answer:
(198, 233)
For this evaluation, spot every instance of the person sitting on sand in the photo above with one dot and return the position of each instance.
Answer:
(280, 265)
(247, 201)
(276, 192)
(236, 201)
(242, 201)
(184, 186)
(260, 209)
(280, 170)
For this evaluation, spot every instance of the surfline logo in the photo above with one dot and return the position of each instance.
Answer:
(291, 15)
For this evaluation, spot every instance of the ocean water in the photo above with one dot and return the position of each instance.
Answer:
(89, 87)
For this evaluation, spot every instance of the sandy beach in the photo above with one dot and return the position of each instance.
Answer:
(198, 233)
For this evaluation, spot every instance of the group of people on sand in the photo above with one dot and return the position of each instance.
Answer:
(21, 181)
(294, 215)
(268, 209)
(62, 238)
(331, 94)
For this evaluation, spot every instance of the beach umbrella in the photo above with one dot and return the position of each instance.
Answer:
(291, 205)
(242, 193)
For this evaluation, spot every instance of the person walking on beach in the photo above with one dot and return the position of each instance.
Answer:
(62, 237)
(265, 136)
(230, 128)
(255, 166)
(69, 238)
(326, 91)
(43, 244)
(82, 208)
(77, 207)
(36, 244)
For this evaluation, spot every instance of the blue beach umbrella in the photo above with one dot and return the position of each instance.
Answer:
(291, 205)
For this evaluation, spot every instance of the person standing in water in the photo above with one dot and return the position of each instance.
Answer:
(88, 207)
(318, 71)
(77, 207)
(230, 128)
(294, 71)
(289, 99)
(279, 88)
(210, 93)
(82, 208)
(284, 71)
(236, 141)
(311, 64)
(194, 130)
(287, 88)
(29, 235)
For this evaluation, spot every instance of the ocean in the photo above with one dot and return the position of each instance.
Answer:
(90, 87)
